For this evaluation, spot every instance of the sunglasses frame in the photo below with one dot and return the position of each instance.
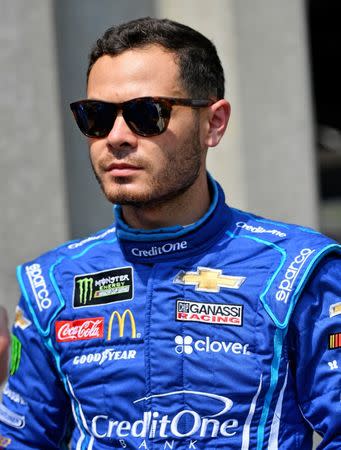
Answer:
(166, 103)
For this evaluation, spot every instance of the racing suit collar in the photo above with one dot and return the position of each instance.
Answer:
(149, 246)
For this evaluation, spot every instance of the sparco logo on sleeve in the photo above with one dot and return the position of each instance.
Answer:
(212, 313)
(79, 330)
(104, 287)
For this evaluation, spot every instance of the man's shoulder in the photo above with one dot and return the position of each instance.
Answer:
(75, 248)
(276, 231)
(293, 252)
(40, 282)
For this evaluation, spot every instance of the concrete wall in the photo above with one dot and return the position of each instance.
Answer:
(277, 120)
(32, 194)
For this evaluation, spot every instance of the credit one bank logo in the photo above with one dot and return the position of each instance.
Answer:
(186, 423)
(168, 247)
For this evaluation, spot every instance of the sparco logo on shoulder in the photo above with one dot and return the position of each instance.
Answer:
(38, 285)
(292, 272)
(79, 330)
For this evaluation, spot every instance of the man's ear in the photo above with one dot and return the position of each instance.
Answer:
(219, 114)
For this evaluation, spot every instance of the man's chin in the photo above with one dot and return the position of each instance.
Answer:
(147, 199)
(128, 197)
(137, 198)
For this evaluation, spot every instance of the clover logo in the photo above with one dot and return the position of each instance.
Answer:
(184, 344)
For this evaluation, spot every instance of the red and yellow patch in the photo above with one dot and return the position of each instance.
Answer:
(334, 341)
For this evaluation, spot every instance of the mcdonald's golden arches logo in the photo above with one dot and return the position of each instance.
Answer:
(121, 320)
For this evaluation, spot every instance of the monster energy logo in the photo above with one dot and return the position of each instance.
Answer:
(15, 354)
(103, 287)
(85, 290)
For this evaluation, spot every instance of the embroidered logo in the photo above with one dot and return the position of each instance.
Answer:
(121, 321)
(335, 309)
(211, 313)
(334, 341)
(11, 418)
(20, 320)
(15, 354)
(333, 365)
(209, 280)
(102, 288)
(80, 330)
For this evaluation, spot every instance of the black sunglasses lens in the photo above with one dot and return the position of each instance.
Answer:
(95, 119)
(147, 117)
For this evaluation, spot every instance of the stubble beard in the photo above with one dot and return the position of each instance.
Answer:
(177, 177)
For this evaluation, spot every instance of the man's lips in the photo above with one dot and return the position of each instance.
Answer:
(122, 169)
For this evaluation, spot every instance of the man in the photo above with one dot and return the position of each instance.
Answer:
(188, 324)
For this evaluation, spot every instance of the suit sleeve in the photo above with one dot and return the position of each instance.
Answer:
(35, 410)
(316, 352)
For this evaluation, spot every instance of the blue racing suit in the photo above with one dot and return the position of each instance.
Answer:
(224, 334)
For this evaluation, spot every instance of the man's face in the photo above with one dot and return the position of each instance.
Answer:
(136, 170)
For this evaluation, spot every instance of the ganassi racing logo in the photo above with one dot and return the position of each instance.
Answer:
(187, 423)
(211, 313)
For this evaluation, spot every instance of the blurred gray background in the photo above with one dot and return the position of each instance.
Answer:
(281, 156)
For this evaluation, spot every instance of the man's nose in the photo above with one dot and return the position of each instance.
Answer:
(121, 135)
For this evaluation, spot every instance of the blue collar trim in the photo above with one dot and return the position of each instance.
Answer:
(171, 242)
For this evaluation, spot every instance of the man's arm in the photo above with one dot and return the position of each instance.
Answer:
(4, 344)
(35, 411)
(316, 352)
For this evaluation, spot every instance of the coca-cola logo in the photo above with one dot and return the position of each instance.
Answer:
(80, 330)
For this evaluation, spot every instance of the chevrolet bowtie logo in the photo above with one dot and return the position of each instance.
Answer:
(20, 320)
(209, 280)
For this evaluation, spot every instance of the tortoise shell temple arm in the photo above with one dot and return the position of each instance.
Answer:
(195, 103)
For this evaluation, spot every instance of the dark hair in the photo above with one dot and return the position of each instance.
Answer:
(200, 68)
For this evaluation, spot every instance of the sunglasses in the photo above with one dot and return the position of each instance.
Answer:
(145, 116)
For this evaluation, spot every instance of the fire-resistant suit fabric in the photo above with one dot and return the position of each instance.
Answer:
(225, 334)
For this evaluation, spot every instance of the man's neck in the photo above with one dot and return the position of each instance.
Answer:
(184, 209)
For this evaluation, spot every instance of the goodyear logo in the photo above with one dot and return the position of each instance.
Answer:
(104, 287)
(121, 328)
